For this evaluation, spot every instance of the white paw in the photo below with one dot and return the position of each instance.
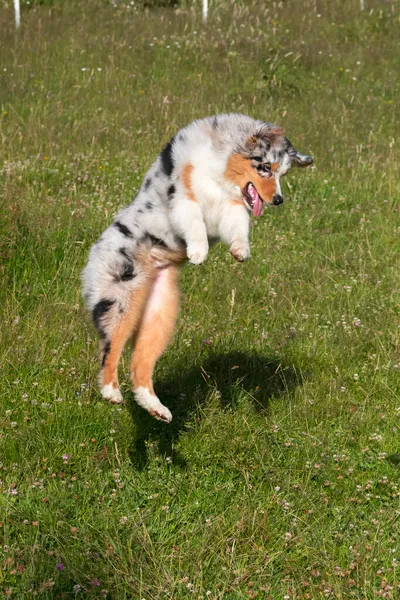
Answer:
(152, 404)
(240, 251)
(111, 394)
(197, 254)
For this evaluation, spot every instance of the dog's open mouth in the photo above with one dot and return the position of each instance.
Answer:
(252, 199)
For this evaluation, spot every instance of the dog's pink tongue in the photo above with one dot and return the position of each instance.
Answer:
(257, 206)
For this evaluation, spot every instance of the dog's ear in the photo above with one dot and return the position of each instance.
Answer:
(301, 160)
(271, 134)
(266, 135)
(298, 159)
(251, 143)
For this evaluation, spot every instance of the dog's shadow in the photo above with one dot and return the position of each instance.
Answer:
(231, 374)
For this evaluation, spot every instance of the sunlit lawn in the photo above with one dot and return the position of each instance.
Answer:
(279, 475)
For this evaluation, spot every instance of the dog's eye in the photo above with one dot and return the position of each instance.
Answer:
(266, 167)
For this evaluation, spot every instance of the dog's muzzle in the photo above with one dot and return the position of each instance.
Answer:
(277, 200)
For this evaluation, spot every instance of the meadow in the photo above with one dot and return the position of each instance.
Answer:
(278, 478)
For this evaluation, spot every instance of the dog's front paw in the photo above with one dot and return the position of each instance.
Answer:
(240, 251)
(197, 254)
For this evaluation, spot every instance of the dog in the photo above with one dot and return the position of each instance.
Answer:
(202, 188)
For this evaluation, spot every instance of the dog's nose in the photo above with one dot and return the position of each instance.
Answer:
(277, 199)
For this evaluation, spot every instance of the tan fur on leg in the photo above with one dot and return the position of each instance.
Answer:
(155, 330)
(159, 257)
(117, 339)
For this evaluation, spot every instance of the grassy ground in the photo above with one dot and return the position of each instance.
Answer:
(279, 476)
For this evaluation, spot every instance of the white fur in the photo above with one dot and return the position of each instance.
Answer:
(186, 219)
(152, 404)
(167, 215)
(111, 394)
(213, 216)
(157, 296)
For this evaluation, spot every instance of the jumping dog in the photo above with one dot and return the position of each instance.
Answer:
(203, 187)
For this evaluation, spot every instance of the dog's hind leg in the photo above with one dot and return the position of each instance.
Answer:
(116, 322)
(154, 332)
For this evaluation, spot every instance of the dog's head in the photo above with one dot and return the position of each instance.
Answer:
(258, 164)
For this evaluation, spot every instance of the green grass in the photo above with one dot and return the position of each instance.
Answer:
(279, 475)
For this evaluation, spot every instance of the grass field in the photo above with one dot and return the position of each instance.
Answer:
(279, 475)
